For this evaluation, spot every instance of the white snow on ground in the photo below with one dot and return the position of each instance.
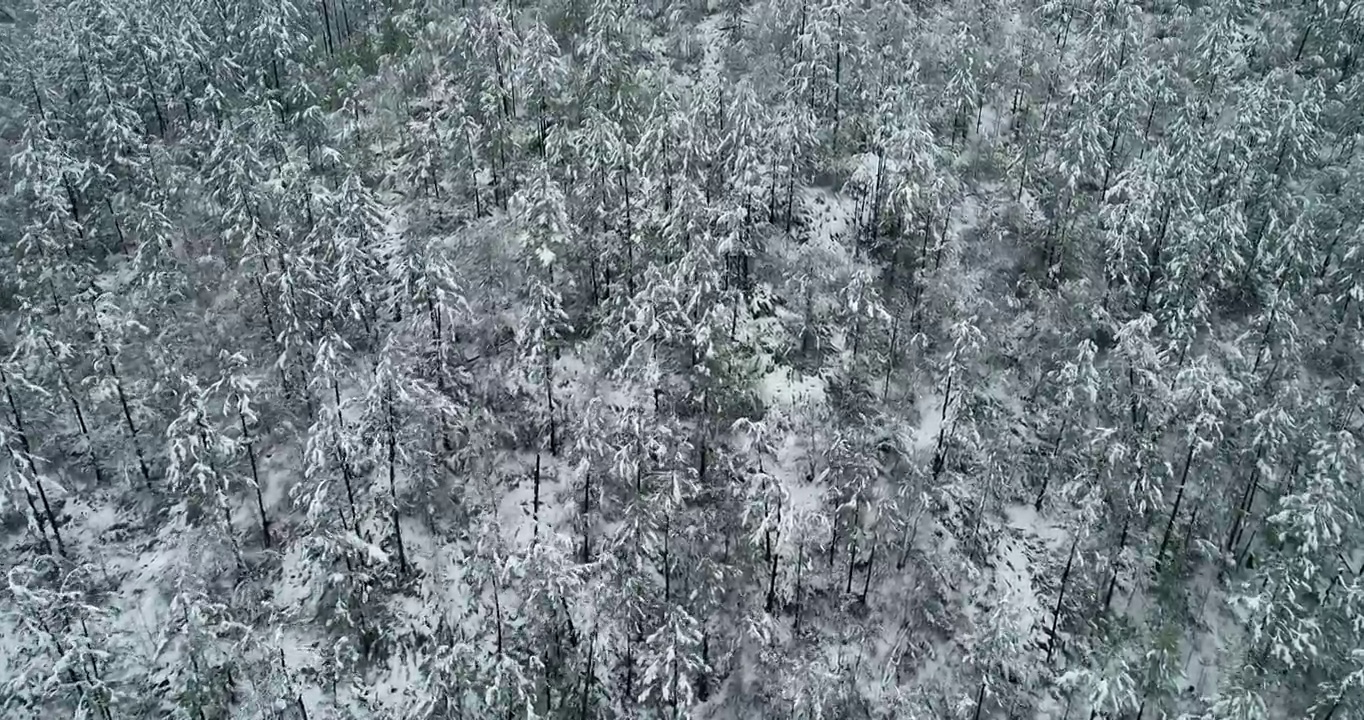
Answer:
(1014, 580)
(805, 500)
(516, 508)
(992, 123)
(278, 468)
(1026, 520)
(785, 389)
(965, 216)
(399, 684)
(294, 588)
(419, 544)
(10, 637)
(142, 604)
(301, 653)
(1215, 628)
(928, 406)
(1027, 534)
(829, 218)
(86, 524)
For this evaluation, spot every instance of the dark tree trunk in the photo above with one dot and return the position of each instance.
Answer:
(587, 677)
(890, 356)
(1174, 512)
(1247, 499)
(871, 565)
(1108, 161)
(78, 411)
(833, 540)
(497, 609)
(255, 479)
(838, 80)
(587, 518)
(938, 452)
(156, 98)
(127, 413)
(33, 469)
(393, 487)
(1046, 477)
(327, 28)
(629, 229)
(535, 503)
(667, 564)
(630, 671)
(344, 461)
(852, 558)
(549, 402)
(1060, 597)
(772, 580)
(1113, 579)
(38, 520)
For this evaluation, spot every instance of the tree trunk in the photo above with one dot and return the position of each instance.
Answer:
(327, 28)
(38, 520)
(127, 413)
(1247, 498)
(587, 677)
(874, 225)
(1306, 33)
(1113, 579)
(1108, 160)
(890, 356)
(667, 564)
(549, 407)
(629, 229)
(1174, 512)
(1060, 597)
(1269, 325)
(838, 80)
(156, 99)
(393, 487)
(1046, 477)
(911, 532)
(852, 557)
(255, 479)
(871, 565)
(833, 539)
(79, 412)
(221, 498)
(771, 578)
(1153, 270)
(345, 19)
(473, 178)
(630, 671)
(938, 460)
(33, 468)
(587, 518)
(344, 462)
(980, 700)
(535, 503)
(497, 608)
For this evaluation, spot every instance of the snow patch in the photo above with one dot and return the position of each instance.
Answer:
(929, 408)
(1028, 521)
(784, 389)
